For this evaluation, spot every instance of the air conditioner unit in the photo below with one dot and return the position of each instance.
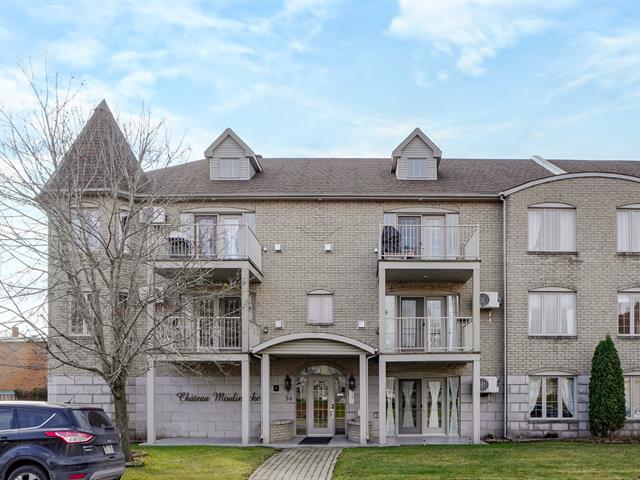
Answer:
(488, 384)
(489, 300)
(152, 215)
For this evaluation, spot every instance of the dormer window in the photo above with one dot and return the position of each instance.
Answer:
(417, 167)
(229, 167)
(416, 158)
(231, 159)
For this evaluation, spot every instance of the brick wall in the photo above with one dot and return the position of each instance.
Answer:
(596, 273)
(23, 365)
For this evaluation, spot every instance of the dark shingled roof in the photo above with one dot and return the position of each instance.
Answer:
(100, 157)
(351, 177)
(622, 167)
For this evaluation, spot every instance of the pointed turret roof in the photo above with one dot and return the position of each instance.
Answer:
(100, 157)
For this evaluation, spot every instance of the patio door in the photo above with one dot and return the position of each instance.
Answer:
(411, 325)
(409, 228)
(321, 406)
(206, 235)
(410, 406)
(433, 244)
(229, 236)
(230, 322)
(436, 323)
(434, 406)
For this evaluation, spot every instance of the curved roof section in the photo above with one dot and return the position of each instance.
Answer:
(301, 337)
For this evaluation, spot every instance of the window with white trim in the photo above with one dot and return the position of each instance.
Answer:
(552, 228)
(632, 396)
(320, 307)
(85, 224)
(81, 314)
(417, 167)
(628, 230)
(123, 220)
(629, 313)
(229, 167)
(552, 313)
(552, 397)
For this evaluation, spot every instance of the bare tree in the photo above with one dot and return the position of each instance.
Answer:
(82, 229)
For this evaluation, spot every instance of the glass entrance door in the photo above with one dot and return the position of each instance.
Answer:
(434, 406)
(321, 406)
(410, 405)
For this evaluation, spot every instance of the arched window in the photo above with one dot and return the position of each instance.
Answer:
(552, 227)
(320, 307)
(552, 312)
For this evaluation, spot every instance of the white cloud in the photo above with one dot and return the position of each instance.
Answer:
(474, 31)
(76, 51)
(611, 60)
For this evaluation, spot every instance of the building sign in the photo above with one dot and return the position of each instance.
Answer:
(188, 397)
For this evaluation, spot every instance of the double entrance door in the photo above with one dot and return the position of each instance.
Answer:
(422, 406)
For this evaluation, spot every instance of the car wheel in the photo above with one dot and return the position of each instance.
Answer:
(28, 472)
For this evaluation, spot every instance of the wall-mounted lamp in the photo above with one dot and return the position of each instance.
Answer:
(328, 248)
(352, 383)
(288, 383)
(277, 248)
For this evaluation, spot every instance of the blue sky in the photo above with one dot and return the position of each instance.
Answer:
(335, 78)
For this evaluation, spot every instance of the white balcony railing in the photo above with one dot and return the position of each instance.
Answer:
(428, 334)
(201, 334)
(208, 241)
(429, 242)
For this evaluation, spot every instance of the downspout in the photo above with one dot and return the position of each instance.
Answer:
(505, 358)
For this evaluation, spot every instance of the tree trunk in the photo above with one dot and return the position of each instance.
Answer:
(118, 390)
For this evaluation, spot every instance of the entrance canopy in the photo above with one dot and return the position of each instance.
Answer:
(313, 345)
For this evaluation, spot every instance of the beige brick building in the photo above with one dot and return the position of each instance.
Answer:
(440, 299)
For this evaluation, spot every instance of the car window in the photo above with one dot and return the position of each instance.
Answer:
(94, 419)
(6, 418)
(30, 418)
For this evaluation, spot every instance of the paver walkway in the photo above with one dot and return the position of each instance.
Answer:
(299, 464)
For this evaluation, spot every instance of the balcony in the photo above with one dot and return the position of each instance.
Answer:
(205, 243)
(429, 242)
(428, 334)
(181, 334)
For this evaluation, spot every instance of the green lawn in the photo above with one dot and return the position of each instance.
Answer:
(536, 460)
(198, 463)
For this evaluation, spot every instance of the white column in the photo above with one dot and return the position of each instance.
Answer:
(382, 400)
(151, 400)
(382, 320)
(245, 301)
(246, 393)
(476, 309)
(264, 398)
(476, 401)
(364, 390)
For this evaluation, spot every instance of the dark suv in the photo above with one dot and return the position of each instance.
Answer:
(43, 441)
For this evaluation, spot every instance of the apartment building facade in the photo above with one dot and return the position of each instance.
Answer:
(408, 298)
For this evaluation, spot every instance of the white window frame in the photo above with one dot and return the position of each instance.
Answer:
(413, 169)
(628, 229)
(122, 214)
(228, 167)
(85, 223)
(550, 224)
(86, 332)
(633, 403)
(323, 301)
(543, 392)
(631, 296)
(552, 296)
